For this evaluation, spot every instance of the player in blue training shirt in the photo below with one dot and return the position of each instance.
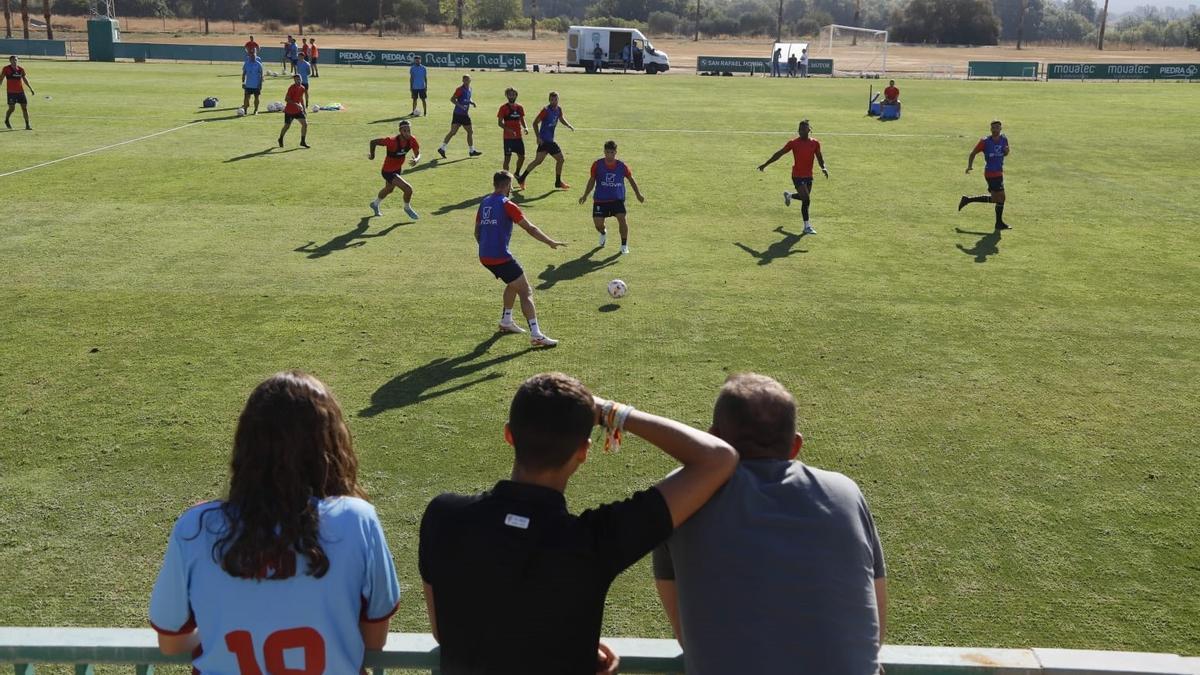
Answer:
(252, 80)
(290, 573)
(994, 149)
(608, 176)
(304, 69)
(418, 82)
(543, 127)
(493, 229)
(462, 118)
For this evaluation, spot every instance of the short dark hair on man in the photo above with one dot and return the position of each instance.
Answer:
(756, 415)
(550, 416)
(610, 145)
(500, 178)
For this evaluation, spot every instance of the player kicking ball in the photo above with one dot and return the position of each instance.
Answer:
(493, 230)
(804, 149)
(608, 176)
(397, 148)
(994, 149)
(294, 110)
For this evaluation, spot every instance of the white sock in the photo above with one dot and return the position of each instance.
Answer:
(471, 148)
(375, 202)
(442, 146)
(506, 316)
(533, 328)
(808, 223)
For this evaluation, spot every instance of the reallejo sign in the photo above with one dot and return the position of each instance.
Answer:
(380, 57)
(1123, 71)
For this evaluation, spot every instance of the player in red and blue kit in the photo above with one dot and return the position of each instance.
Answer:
(493, 229)
(994, 149)
(608, 176)
(462, 118)
(291, 572)
(543, 126)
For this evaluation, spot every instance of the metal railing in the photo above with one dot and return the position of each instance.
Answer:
(138, 648)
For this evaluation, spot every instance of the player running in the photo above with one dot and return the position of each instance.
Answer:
(252, 80)
(608, 176)
(15, 82)
(462, 118)
(293, 109)
(397, 148)
(493, 229)
(994, 149)
(803, 148)
(543, 127)
(511, 118)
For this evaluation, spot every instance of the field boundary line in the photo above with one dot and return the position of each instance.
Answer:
(773, 133)
(95, 150)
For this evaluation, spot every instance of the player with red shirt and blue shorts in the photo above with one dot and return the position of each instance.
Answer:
(804, 150)
(397, 148)
(608, 176)
(511, 118)
(462, 118)
(994, 149)
(14, 85)
(293, 109)
(493, 230)
(543, 127)
(291, 572)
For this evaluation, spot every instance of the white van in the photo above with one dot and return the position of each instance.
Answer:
(615, 44)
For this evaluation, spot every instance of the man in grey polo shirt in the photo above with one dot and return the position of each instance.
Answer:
(782, 571)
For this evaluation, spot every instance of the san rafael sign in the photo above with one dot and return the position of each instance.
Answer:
(381, 57)
(1123, 71)
(750, 64)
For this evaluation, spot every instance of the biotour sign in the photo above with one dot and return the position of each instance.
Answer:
(378, 57)
(1123, 71)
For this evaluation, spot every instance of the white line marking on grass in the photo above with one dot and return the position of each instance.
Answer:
(95, 150)
(774, 133)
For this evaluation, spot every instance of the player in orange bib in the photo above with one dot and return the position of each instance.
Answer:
(804, 149)
(15, 83)
(397, 148)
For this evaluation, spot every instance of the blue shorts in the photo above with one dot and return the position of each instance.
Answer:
(388, 176)
(418, 93)
(253, 90)
(606, 209)
(514, 146)
(507, 272)
(995, 183)
(806, 182)
(15, 99)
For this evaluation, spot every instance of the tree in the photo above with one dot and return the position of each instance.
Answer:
(1103, 21)
(7, 19)
(1086, 8)
(1194, 30)
(46, 14)
(947, 22)
(494, 14)
(25, 18)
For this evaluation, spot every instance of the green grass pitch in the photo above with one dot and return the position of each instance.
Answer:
(1021, 412)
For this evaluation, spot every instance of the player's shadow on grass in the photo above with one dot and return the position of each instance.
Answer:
(780, 249)
(988, 245)
(522, 199)
(464, 204)
(439, 377)
(573, 269)
(434, 163)
(406, 116)
(351, 239)
(205, 111)
(234, 116)
(250, 155)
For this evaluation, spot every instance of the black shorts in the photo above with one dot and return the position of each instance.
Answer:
(507, 272)
(388, 176)
(305, 85)
(995, 183)
(797, 181)
(288, 117)
(514, 146)
(313, 59)
(418, 93)
(606, 209)
(255, 91)
(15, 99)
(461, 118)
(549, 147)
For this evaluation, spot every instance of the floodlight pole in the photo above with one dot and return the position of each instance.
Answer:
(1103, 20)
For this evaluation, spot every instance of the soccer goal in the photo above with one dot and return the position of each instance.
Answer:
(855, 51)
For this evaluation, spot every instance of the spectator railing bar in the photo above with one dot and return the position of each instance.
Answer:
(87, 647)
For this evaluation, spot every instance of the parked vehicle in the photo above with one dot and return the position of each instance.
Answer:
(620, 49)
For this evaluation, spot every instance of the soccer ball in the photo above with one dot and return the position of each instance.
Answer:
(241, 112)
(316, 108)
(617, 288)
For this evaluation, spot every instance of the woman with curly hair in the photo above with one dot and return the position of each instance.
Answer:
(290, 573)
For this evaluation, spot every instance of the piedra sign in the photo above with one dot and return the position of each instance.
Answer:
(380, 57)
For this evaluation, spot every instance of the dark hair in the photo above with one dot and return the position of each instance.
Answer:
(500, 178)
(610, 145)
(756, 415)
(553, 94)
(405, 123)
(550, 416)
(291, 448)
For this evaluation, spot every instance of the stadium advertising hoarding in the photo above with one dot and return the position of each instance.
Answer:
(750, 64)
(1003, 69)
(1123, 71)
(32, 48)
(383, 57)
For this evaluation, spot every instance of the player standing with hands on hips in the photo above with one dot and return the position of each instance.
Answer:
(608, 176)
(804, 149)
(994, 149)
(397, 148)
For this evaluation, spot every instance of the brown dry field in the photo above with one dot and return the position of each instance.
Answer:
(549, 48)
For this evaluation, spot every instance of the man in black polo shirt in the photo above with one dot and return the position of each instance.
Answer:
(513, 582)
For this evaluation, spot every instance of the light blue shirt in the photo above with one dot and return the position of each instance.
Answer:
(304, 68)
(298, 622)
(253, 70)
(416, 76)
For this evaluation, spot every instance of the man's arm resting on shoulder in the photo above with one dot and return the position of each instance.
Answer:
(670, 602)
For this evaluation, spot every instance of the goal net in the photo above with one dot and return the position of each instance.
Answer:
(855, 51)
